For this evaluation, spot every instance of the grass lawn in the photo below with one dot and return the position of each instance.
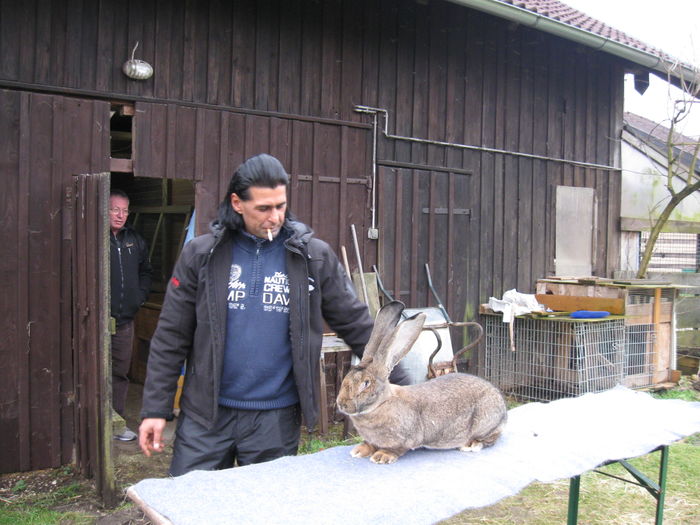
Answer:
(604, 500)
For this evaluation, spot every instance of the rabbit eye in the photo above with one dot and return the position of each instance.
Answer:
(365, 384)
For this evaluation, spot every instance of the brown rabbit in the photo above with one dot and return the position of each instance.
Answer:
(452, 411)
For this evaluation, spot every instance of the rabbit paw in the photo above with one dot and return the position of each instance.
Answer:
(362, 450)
(383, 457)
(474, 446)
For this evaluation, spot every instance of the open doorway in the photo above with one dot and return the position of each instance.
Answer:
(162, 212)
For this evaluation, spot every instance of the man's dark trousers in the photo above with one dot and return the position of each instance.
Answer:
(122, 344)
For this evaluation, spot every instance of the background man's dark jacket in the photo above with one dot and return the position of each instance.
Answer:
(130, 273)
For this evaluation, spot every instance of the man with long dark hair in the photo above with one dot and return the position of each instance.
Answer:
(245, 308)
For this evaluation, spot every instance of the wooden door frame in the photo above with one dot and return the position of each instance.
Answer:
(91, 336)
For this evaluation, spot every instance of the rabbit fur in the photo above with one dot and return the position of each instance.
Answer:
(452, 411)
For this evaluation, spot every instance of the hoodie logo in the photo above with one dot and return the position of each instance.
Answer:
(236, 289)
(235, 274)
(275, 295)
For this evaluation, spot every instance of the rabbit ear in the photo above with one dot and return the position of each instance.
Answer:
(394, 348)
(384, 325)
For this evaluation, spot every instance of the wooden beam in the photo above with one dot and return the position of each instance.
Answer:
(572, 303)
(640, 225)
(121, 165)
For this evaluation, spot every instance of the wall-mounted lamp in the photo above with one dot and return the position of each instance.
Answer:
(137, 69)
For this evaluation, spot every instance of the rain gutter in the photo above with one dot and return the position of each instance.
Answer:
(581, 36)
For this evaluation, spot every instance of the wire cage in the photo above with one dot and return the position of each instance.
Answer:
(639, 355)
(552, 358)
(673, 252)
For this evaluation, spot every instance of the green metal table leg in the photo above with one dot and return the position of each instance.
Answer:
(574, 489)
(663, 468)
(657, 490)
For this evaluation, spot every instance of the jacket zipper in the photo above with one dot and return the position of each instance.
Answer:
(302, 312)
(256, 271)
(121, 274)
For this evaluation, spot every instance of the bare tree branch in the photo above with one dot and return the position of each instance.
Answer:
(677, 170)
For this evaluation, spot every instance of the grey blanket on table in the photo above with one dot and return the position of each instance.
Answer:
(542, 442)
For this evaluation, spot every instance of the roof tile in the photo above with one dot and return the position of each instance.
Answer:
(656, 136)
(568, 15)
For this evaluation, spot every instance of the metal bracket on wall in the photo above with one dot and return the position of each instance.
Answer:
(446, 211)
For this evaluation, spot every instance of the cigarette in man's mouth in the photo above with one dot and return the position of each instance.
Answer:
(269, 234)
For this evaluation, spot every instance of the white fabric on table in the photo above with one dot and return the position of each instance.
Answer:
(515, 303)
(542, 442)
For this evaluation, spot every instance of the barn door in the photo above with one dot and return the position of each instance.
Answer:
(89, 196)
(424, 217)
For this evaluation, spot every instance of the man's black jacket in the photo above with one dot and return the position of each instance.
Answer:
(130, 273)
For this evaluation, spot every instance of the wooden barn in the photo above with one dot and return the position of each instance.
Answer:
(444, 131)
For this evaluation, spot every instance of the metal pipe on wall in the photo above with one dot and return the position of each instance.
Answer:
(375, 111)
(372, 232)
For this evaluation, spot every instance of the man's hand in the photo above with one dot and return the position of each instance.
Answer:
(151, 435)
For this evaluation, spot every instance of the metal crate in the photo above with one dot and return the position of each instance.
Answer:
(640, 356)
(563, 357)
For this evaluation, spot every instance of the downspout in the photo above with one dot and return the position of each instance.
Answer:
(581, 36)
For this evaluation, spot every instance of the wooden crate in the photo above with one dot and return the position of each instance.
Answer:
(336, 362)
(642, 303)
(145, 323)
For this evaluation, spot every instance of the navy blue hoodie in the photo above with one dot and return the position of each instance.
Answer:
(257, 367)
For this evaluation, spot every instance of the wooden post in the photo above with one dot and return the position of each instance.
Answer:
(659, 375)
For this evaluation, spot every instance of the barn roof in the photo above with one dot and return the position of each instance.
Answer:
(558, 18)
(577, 19)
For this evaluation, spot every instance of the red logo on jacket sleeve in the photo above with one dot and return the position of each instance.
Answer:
(174, 281)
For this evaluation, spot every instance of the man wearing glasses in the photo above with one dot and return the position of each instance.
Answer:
(130, 282)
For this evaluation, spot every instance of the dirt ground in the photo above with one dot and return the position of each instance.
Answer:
(64, 490)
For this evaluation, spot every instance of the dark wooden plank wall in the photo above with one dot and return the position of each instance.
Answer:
(284, 56)
(39, 156)
(233, 78)
(328, 161)
(425, 213)
(513, 89)
(289, 56)
(443, 71)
